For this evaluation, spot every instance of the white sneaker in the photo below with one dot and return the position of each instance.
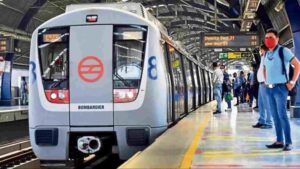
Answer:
(228, 110)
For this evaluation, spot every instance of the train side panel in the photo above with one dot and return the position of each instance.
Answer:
(151, 117)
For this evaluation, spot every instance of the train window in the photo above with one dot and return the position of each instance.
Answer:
(188, 72)
(129, 51)
(53, 53)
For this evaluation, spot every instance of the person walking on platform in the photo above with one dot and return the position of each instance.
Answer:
(217, 84)
(24, 90)
(243, 87)
(264, 120)
(228, 95)
(224, 85)
(236, 88)
(277, 66)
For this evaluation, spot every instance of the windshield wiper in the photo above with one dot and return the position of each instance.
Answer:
(122, 79)
(58, 83)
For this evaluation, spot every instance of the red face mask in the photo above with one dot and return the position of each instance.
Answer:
(270, 42)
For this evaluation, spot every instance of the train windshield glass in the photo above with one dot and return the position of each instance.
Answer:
(53, 52)
(129, 51)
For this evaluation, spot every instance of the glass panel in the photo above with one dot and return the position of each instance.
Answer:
(129, 51)
(54, 54)
(188, 73)
(195, 74)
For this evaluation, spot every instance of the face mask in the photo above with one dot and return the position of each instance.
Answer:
(270, 42)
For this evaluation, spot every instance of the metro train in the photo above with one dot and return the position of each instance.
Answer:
(108, 78)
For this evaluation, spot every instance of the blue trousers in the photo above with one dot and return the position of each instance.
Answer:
(218, 95)
(277, 98)
(264, 108)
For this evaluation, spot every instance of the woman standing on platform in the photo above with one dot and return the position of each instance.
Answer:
(236, 88)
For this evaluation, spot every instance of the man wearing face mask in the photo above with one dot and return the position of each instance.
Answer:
(278, 85)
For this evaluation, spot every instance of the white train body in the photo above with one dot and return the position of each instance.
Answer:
(100, 80)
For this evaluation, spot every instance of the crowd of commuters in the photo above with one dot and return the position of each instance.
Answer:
(273, 77)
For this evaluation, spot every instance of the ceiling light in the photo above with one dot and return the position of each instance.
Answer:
(279, 5)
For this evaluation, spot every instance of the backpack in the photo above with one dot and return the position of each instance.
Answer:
(291, 73)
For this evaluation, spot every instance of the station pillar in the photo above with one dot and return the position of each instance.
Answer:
(6, 55)
(292, 9)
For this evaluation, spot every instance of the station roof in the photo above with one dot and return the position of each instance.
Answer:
(185, 20)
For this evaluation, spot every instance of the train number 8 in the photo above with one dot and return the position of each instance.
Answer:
(152, 70)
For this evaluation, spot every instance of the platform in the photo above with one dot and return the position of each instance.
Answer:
(13, 113)
(203, 140)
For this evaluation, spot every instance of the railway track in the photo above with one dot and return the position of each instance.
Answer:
(15, 154)
(20, 155)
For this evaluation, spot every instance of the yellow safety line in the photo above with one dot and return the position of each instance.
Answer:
(189, 155)
(249, 155)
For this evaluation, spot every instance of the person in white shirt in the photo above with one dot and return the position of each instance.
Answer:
(264, 120)
(217, 83)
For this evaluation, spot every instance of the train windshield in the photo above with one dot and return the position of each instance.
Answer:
(53, 55)
(129, 51)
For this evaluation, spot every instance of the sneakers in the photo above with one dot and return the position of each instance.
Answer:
(287, 147)
(262, 126)
(257, 125)
(228, 109)
(265, 126)
(275, 145)
(216, 112)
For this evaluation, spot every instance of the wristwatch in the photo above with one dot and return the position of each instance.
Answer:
(292, 82)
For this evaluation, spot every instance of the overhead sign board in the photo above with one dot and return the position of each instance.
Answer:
(6, 45)
(234, 55)
(229, 40)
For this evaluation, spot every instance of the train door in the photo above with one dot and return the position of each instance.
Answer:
(196, 84)
(91, 84)
(212, 86)
(177, 78)
(199, 85)
(170, 84)
(189, 92)
(206, 87)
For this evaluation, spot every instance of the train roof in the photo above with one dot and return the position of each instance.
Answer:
(140, 10)
(136, 8)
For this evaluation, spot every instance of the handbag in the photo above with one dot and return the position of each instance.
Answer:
(228, 97)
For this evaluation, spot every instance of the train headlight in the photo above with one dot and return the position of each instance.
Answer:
(53, 96)
(125, 95)
(58, 96)
(122, 95)
(130, 95)
(61, 95)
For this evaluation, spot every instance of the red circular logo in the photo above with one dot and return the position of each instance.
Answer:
(90, 69)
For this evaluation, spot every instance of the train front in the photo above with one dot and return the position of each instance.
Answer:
(87, 92)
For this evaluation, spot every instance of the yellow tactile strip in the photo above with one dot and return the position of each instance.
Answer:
(188, 157)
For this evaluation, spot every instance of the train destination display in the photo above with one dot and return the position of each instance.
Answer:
(234, 55)
(229, 40)
(6, 45)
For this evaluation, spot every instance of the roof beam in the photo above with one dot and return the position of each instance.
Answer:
(31, 12)
(15, 33)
